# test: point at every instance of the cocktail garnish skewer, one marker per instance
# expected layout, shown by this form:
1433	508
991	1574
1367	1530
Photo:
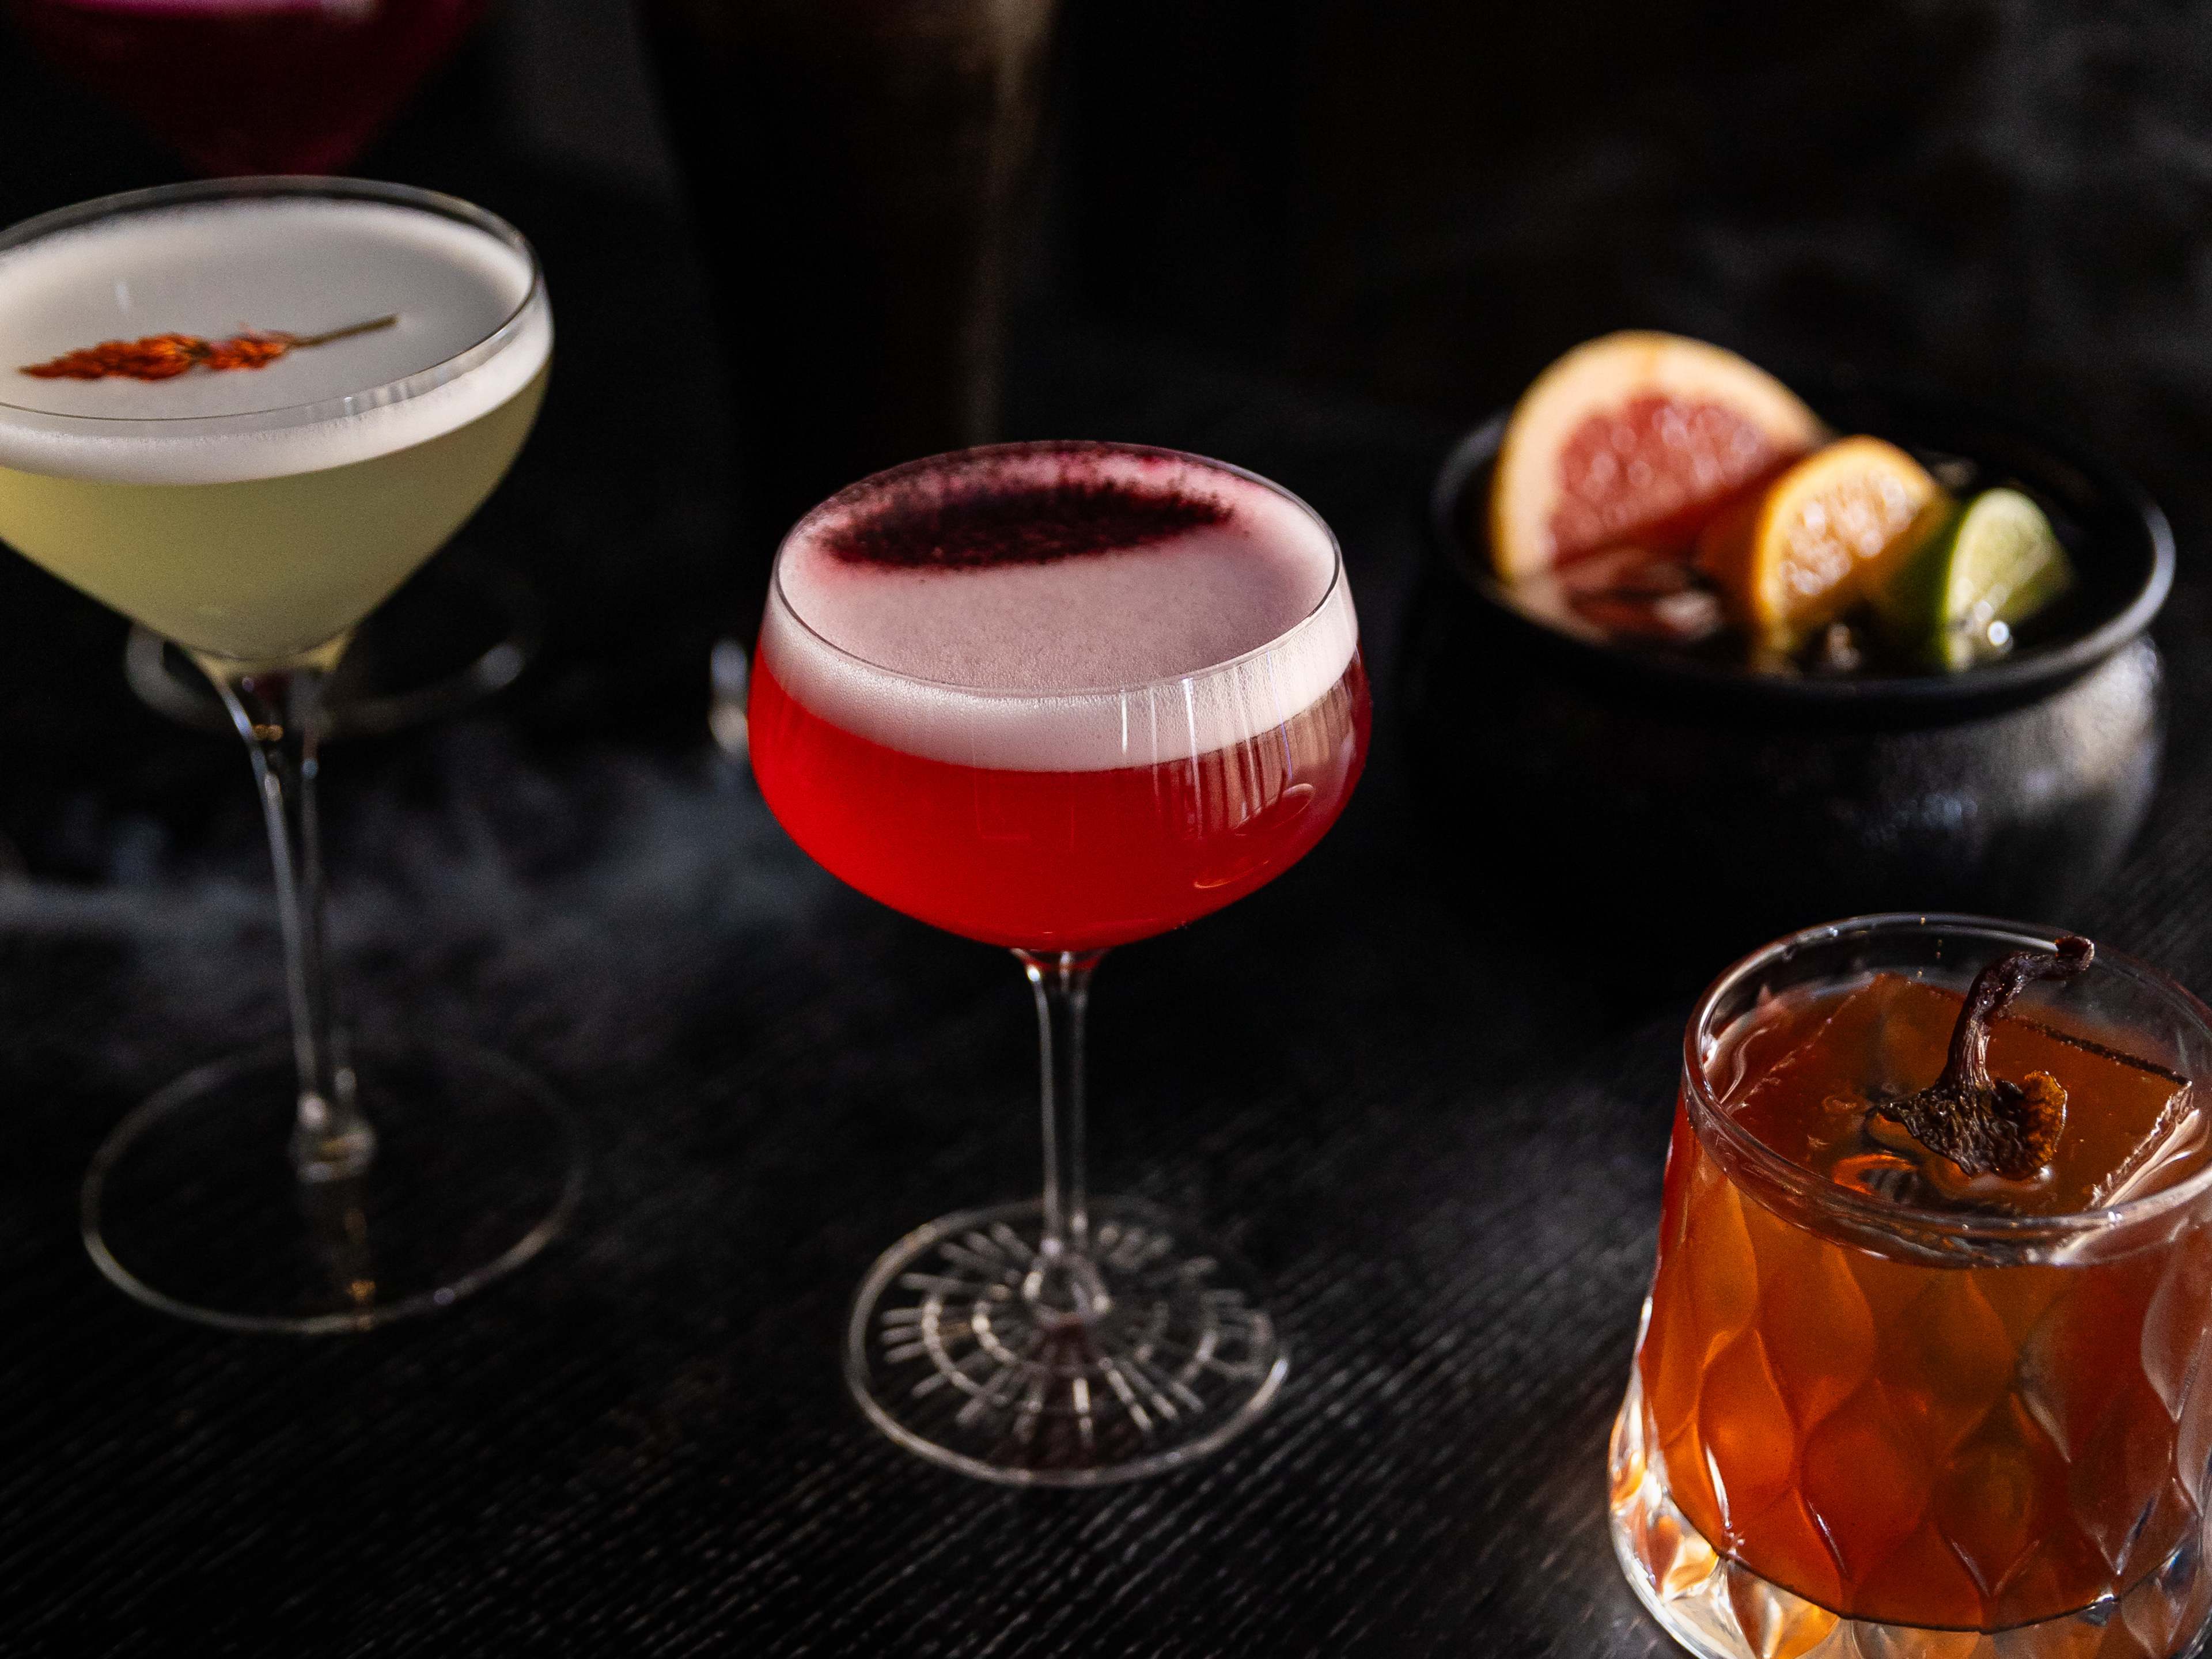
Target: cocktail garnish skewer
165	357
1968	1125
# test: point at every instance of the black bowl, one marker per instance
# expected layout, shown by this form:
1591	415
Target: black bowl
1619	782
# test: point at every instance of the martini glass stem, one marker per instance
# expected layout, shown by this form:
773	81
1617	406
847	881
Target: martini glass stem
1062	1281
278	711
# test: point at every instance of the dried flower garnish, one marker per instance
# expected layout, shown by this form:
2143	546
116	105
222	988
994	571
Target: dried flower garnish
1979	1125
165	357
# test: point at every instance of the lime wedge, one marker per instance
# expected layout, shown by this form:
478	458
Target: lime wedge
1977	574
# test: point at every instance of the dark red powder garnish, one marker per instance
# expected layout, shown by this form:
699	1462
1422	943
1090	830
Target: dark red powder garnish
928	519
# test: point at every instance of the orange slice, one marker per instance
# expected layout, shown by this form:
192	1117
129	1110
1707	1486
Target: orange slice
1800	552
1633	438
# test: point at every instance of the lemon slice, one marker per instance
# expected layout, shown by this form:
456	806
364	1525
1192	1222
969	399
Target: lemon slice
1956	599
1800	552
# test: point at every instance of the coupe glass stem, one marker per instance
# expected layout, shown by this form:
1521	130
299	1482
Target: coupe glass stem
1062	1281
278	711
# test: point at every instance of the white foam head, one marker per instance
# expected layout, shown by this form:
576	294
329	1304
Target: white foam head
474	327
1062	607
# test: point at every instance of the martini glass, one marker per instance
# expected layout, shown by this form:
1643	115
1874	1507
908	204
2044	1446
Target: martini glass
1060	697
255	515
252	87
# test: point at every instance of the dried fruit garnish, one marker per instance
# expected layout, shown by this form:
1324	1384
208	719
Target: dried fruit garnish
165	357
1981	1125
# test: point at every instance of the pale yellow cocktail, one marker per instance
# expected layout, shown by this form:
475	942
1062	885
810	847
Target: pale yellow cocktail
242	413
254	514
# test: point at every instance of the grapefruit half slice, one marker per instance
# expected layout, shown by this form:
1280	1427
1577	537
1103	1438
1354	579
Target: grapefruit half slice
1635	438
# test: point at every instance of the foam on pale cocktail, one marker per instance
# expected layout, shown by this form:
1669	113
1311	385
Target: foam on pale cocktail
255	513
1059	607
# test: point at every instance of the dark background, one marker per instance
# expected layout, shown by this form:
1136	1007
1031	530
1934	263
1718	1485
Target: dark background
1426	202
1314	238
1422	205
1412	208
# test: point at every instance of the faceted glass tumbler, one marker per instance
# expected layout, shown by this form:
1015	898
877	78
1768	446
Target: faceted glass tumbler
1859	1429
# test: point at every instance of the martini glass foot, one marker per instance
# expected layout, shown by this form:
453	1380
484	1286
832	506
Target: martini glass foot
455	634
192	1206
953	1353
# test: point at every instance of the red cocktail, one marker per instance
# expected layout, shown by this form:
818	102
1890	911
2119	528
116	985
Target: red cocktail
1059	697
1060	861
1068	860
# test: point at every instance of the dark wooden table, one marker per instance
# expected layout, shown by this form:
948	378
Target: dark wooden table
1437	1127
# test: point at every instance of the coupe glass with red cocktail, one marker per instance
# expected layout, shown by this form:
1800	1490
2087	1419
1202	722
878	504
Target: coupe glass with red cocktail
1923	1369
1060	697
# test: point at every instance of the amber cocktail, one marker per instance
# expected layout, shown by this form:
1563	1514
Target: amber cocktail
1892	1402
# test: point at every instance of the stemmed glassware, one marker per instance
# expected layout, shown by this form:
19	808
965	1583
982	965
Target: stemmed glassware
1060	697
246	87
254	515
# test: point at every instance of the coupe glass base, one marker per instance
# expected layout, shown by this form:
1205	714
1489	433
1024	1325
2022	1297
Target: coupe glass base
1718	1609
456	634
192	1206
949	1357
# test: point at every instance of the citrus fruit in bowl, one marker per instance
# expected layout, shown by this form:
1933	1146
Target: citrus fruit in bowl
1965	587
1653	493
1802	550
1685	786
1635	438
